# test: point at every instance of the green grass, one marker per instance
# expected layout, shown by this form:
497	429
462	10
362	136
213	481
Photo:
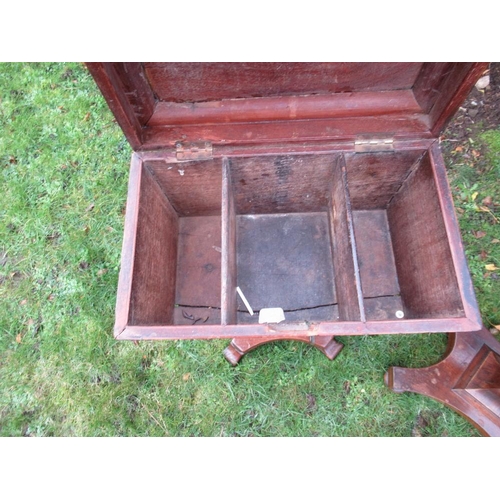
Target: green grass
474	173
64	171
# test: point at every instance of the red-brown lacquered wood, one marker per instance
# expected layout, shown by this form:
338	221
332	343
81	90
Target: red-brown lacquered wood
292	330
229	273
456	87
345	263
374	178
427	278
205	81
128	246
118	97
193	315
199	265
152	297
343	105
137	89
168	155
446	207
282	167
411	126
303	148
256	103
466	380
193	188
375	255
281	184
431	77
239	347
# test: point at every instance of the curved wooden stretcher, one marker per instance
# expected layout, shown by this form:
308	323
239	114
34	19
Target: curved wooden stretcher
240	346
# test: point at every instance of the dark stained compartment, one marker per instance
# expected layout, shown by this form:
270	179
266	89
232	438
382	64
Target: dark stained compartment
328	238
177	261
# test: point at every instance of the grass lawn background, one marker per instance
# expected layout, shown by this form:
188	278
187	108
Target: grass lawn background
64	171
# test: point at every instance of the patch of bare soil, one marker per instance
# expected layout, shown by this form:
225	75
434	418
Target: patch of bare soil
479	112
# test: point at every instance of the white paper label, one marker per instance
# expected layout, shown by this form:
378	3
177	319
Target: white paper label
271	315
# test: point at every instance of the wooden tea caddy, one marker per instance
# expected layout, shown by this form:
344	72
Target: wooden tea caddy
319	188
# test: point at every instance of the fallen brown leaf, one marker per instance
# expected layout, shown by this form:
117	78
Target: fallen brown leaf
495	240
90	207
23	302
479	234
483	255
487	201
186	377
18	338
487	210
311	402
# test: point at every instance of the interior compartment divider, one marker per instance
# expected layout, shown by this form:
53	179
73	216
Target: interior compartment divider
345	260
228	262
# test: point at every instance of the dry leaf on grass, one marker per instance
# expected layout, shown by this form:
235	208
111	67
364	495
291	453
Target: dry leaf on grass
483	255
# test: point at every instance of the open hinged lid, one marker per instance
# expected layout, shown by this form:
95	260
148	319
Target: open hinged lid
161	105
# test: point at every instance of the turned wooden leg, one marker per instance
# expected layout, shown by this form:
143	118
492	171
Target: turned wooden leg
241	345
466	380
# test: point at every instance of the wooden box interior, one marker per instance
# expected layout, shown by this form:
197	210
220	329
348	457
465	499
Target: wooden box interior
334	237
248	175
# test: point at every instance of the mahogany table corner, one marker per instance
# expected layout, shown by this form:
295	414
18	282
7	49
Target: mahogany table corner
467	380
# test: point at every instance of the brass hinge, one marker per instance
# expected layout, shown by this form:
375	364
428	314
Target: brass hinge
193	150
366	144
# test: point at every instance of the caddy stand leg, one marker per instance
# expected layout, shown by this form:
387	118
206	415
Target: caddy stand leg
242	345
467	380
